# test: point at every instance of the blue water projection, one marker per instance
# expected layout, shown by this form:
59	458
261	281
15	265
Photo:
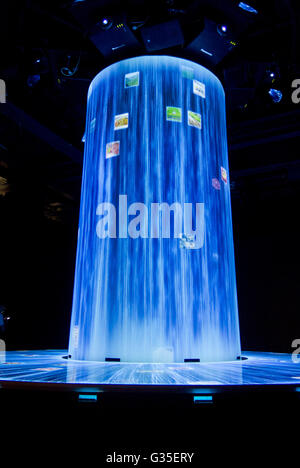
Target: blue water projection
48	366
155	273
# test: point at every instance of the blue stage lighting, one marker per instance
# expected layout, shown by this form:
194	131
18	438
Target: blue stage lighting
248	8
276	95
155	274
106	23
198	379
33	80
203	399
87	397
222	29
206	52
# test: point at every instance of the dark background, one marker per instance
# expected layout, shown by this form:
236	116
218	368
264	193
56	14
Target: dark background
41	128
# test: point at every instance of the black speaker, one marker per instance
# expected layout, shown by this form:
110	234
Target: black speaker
117	38
162	36
213	44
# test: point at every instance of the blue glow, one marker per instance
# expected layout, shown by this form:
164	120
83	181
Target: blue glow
87	397
206	52
276	95
203	398
246	7
222	29
48	366
155	134
32	80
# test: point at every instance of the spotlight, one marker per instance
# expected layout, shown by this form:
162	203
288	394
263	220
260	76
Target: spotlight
222	29
38	67
33	80
272	75
248	8
105	23
275	94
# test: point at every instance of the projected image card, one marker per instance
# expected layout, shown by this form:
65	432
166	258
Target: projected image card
174	114
199	88
132	79
121	121
187	72
224	175
216	184
93	125
112	149
194	119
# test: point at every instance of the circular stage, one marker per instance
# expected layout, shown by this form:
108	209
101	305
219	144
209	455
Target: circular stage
48	367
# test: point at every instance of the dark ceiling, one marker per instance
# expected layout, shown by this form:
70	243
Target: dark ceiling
51	55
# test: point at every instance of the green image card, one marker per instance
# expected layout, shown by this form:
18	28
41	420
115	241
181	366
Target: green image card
132	79
194	119
174	114
187	72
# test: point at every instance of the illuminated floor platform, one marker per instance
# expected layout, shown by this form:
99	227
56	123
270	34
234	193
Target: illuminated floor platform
49	367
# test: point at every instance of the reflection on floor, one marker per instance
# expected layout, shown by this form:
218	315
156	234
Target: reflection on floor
48	366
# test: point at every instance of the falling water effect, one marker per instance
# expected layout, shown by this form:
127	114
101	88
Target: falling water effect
155	299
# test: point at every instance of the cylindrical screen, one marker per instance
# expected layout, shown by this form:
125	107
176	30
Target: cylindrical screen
155	274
